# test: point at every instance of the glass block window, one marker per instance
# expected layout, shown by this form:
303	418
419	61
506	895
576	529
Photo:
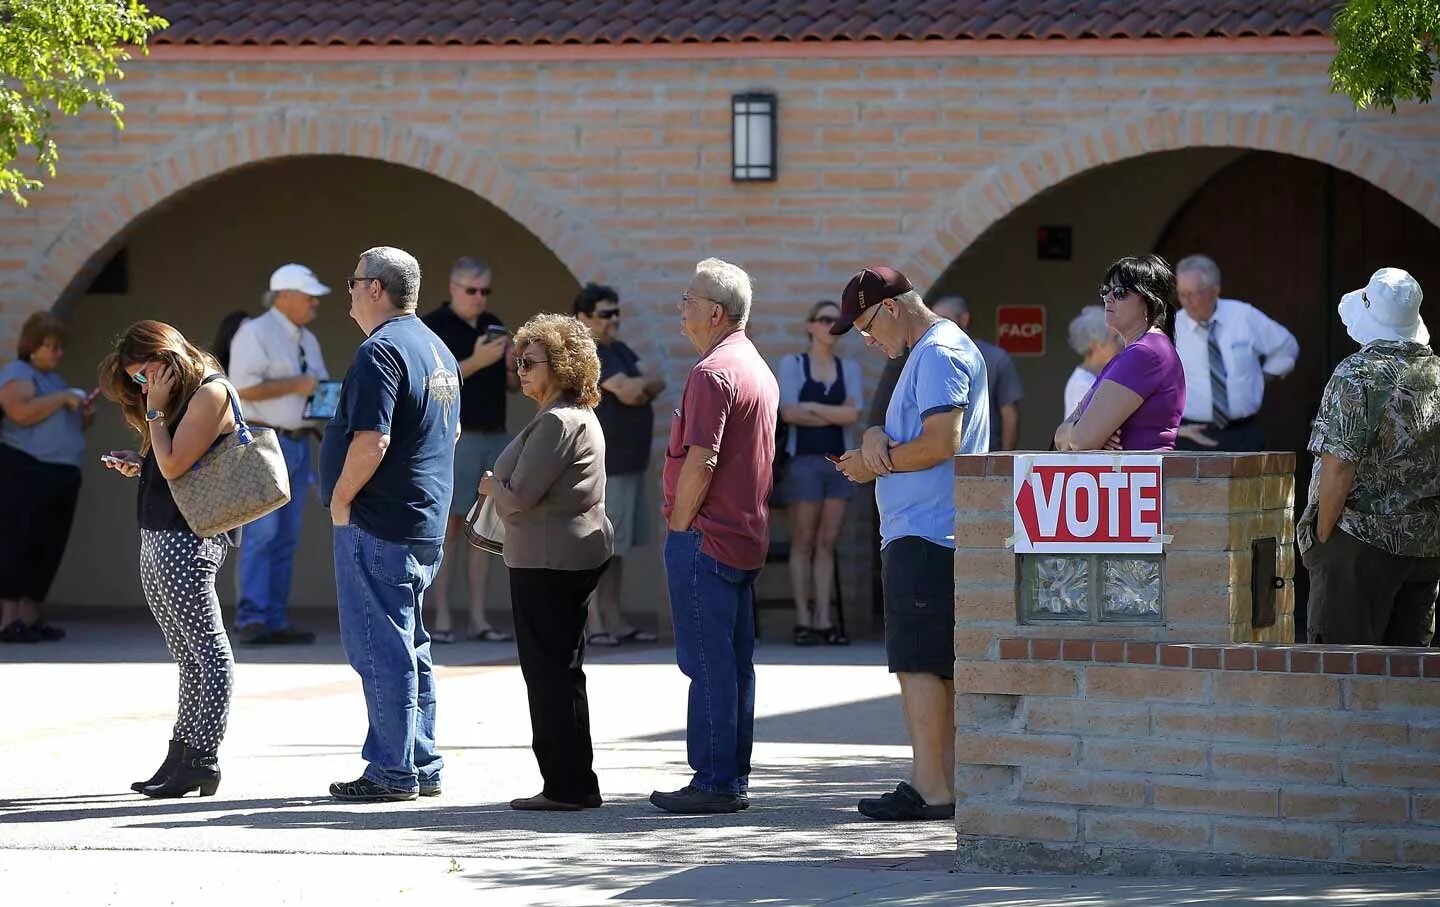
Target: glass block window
1091	588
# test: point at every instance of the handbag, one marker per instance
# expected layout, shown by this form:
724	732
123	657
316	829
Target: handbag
484	527
239	479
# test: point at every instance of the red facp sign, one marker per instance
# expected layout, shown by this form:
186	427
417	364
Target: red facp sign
1089	504
1020	329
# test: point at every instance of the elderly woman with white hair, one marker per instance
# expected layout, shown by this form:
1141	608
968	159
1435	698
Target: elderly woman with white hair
1370	533
1096	343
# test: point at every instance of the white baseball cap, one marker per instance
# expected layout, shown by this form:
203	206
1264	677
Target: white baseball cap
297	277
1388	308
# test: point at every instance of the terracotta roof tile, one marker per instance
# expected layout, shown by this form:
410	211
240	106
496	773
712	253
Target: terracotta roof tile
495	22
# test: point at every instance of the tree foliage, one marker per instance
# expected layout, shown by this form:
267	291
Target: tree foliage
1386	51
57	58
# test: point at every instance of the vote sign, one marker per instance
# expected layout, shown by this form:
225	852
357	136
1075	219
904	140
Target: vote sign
1088	504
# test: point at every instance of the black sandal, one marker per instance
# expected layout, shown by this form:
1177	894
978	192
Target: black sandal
833	636
804	636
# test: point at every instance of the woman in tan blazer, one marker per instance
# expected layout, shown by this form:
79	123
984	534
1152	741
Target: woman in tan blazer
549	490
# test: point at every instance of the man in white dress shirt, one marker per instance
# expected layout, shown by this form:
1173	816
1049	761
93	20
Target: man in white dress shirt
1230	351
275	363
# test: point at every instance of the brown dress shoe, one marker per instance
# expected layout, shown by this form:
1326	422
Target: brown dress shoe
542	803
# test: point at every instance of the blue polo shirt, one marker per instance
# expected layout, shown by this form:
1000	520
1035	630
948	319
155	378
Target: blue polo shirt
405	383
944	371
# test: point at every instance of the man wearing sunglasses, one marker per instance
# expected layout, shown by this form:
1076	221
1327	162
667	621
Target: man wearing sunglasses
275	365
479	341
628	421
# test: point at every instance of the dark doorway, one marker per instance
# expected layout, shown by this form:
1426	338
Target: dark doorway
1290	236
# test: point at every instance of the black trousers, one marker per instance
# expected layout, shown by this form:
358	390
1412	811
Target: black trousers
550	611
1246	437
39	505
1361	595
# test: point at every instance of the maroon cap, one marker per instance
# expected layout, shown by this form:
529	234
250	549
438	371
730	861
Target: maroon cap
867	288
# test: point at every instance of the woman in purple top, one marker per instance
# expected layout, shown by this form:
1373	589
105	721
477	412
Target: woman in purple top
1138	398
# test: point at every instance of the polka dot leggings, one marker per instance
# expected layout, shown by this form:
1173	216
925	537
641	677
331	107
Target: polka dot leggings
177	573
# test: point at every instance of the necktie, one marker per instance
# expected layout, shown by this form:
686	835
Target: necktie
304	366
1219	389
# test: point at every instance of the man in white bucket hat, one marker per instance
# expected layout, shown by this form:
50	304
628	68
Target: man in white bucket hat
1370	533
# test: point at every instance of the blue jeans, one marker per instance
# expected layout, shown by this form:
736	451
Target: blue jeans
381	586
713	607
267	549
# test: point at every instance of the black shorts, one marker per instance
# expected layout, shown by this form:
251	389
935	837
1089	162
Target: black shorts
919	580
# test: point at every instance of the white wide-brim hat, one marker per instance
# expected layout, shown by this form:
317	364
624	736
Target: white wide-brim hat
1388	308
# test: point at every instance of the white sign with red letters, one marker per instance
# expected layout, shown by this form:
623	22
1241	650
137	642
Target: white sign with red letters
1089	504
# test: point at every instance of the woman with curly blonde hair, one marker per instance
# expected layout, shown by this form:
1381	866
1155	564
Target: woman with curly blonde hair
549	490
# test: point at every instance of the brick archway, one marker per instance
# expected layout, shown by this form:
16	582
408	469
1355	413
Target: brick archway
973	210
72	251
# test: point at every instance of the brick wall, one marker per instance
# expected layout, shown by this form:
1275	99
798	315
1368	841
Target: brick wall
1170	748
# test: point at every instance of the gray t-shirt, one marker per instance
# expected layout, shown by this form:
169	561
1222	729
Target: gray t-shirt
58	439
1004	382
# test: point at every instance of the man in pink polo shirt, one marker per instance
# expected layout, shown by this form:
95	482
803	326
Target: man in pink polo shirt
717	480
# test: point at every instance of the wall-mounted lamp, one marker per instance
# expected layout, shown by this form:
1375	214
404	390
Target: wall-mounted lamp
753	138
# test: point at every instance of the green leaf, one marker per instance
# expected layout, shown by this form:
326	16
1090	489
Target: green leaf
1386	51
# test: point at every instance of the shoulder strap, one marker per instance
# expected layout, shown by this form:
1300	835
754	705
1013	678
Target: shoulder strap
805	364
240	426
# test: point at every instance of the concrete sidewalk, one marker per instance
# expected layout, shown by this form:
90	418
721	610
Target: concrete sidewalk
95	714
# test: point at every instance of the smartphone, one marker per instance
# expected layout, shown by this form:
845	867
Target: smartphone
832	458
496	330
106	458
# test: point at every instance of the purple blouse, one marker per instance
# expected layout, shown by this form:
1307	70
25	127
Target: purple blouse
1151	368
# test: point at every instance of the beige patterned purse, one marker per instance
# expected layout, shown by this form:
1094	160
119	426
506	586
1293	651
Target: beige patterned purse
238	480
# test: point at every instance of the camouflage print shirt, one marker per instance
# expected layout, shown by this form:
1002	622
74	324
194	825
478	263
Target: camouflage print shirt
1381	411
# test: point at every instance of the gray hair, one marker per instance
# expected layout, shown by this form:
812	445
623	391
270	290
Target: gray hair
957	304
467	265
399	273
1089	326
728	285
909	299
1203	265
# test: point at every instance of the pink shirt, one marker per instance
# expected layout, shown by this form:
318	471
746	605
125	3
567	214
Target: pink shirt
729	405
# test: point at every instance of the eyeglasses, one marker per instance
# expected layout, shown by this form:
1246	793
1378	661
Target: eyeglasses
824	319
1116	293
607	314
687	297
471	291
874	313
525	363
351	281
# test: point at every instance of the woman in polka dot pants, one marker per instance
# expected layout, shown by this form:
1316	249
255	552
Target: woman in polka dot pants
170	393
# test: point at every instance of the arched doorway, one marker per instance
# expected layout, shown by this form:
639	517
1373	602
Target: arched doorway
210	249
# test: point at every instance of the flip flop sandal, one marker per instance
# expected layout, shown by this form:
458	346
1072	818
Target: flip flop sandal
442	636
492	635
605	639
638	635
833	637
904	804
804	636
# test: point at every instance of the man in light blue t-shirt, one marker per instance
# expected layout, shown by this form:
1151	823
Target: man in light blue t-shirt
940	408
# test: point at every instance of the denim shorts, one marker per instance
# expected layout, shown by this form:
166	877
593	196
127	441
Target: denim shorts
919	581
475	452
811	477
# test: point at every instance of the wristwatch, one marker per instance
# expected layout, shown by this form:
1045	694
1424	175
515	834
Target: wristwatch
154	415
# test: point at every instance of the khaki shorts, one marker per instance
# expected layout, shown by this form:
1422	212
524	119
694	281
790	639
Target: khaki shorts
627	504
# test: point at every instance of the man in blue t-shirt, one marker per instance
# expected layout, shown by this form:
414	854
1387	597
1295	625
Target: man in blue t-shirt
387	475
940	408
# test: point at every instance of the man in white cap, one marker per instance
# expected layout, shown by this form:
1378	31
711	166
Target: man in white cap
1370	533
275	363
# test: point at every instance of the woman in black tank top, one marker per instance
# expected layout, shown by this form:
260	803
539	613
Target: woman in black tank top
819	397
177	400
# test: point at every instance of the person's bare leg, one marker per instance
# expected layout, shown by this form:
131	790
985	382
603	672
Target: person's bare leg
929	704
439	593
832	517
594	621
804	524
29	612
9	612
608	592
479	573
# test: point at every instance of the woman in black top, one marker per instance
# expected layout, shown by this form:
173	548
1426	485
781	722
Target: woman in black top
819	398
173	394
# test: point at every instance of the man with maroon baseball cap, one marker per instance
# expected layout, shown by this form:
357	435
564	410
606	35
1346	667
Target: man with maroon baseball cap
940	408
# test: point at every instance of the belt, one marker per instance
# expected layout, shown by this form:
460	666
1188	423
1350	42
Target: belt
294	434
1233	423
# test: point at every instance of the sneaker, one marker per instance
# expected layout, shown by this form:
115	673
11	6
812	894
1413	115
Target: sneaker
904	804
430	790
691	801
363	790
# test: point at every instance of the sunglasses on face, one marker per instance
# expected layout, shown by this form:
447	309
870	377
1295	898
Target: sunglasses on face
471	291
824	319
607	314
1116	293
525	363
350	282
140	379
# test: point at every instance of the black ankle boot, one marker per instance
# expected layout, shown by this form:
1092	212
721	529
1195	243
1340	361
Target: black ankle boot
198	770
172	759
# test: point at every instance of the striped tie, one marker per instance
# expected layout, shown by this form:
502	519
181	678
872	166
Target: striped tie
1219	390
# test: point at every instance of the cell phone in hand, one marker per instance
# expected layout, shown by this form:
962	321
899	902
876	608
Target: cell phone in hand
496	330
832	458
113	461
